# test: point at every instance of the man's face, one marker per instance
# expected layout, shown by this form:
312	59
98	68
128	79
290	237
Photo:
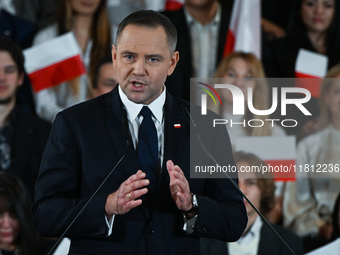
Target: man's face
142	60
10	79
107	80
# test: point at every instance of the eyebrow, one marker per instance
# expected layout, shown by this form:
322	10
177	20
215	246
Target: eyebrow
159	56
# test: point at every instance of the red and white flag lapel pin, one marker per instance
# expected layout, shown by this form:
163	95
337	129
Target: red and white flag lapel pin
177	125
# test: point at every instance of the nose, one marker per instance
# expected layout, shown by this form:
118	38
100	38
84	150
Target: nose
139	67
319	8
6	220
240	82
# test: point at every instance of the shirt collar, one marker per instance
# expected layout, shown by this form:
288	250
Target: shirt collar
253	232
191	20
133	109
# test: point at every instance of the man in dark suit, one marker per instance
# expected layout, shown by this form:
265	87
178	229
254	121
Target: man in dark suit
157	210
22	136
202	13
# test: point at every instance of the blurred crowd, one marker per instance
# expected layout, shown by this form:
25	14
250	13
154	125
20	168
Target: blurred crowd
304	211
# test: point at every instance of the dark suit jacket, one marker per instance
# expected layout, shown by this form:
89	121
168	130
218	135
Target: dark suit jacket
86	142
29	139
184	69
269	244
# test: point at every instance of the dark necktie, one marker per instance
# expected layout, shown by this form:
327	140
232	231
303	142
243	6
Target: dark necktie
148	147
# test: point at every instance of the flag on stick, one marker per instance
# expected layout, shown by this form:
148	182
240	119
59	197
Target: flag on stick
53	62
244	33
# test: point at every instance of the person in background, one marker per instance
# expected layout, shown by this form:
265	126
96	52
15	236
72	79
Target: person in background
22	136
91	27
202	28
17	235
308	202
105	77
258	237
38	12
244	70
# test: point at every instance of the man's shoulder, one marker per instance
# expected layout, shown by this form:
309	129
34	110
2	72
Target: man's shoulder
88	107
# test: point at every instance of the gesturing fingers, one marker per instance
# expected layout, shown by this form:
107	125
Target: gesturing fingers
127	196
179	187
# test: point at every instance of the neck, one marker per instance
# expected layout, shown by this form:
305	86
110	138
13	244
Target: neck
204	14
251	219
336	123
7	247
5	110
318	41
82	29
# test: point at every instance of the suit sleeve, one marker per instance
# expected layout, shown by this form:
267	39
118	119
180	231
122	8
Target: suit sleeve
57	199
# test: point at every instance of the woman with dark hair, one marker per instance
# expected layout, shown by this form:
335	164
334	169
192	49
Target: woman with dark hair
90	25
17	235
257	238
316	27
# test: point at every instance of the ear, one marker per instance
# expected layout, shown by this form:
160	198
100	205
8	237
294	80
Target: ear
173	62
114	57
21	79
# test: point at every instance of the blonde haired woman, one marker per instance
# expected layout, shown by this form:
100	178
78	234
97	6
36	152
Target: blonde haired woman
309	201
242	70
90	25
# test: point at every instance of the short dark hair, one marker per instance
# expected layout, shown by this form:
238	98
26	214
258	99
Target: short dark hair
14	50
150	19
265	181
106	59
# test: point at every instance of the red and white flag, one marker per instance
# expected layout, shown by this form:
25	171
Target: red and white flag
310	65
53	62
244	32
278	152
173	5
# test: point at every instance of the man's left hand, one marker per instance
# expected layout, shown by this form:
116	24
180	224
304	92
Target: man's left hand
179	187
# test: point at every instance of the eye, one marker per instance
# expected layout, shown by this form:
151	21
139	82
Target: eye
153	60
10	69
310	3
248	78
251	182
328	4
337	91
128	57
231	74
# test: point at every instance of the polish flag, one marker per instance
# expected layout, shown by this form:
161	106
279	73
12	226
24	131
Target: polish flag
53	62
244	33
173	5
310	65
277	151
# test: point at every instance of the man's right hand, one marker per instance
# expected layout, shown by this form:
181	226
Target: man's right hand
126	197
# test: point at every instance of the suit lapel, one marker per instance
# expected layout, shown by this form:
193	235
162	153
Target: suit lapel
118	129
176	131
268	241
